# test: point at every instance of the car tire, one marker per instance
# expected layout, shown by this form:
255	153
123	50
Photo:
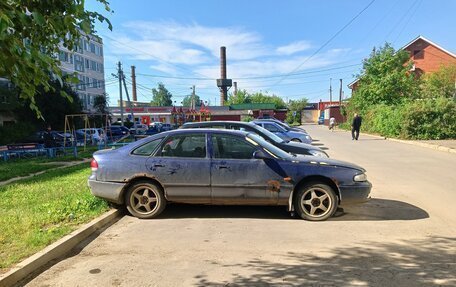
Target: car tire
296	140
145	200
315	202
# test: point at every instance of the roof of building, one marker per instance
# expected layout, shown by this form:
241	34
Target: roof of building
430	42
410	43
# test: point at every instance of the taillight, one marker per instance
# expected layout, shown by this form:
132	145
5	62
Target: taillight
94	165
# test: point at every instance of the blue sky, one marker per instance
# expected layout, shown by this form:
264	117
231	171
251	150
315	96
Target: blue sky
178	42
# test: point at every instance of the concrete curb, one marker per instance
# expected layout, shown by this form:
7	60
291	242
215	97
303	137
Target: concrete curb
426	145
56	250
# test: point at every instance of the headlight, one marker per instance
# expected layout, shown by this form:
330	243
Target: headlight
360	177
318	153
308	138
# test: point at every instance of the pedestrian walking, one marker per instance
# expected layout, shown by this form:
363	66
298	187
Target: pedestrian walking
332	123
355	126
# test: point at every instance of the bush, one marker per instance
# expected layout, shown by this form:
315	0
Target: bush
385	120
430	119
15	132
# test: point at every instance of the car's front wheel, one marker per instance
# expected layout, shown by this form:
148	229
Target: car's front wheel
296	140
315	202
145	200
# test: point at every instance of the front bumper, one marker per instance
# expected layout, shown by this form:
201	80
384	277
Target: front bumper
355	193
111	191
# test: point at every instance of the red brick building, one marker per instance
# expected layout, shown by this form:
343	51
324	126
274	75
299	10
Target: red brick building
426	55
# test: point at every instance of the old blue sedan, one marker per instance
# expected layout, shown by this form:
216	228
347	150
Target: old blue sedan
211	166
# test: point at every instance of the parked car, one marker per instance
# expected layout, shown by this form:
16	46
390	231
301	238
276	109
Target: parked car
157	125
288	146
283	124
284	133
138	129
214	166
117	131
166	127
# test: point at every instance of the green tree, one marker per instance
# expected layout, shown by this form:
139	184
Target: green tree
241	97
52	105
187	102
161	96
440	83
30	34
100	104
385	79
260	97
295	109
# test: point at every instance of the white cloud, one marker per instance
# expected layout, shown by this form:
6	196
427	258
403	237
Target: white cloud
293	48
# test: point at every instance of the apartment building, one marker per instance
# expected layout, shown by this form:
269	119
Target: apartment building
87	61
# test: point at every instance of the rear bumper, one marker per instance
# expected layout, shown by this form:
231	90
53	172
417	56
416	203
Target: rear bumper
111	191
356	193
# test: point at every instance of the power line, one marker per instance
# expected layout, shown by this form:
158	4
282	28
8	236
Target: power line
327	42
153	56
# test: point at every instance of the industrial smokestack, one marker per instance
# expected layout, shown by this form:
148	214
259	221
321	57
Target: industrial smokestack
223	83
223	90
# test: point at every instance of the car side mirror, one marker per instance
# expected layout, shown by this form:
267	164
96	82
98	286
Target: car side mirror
259	154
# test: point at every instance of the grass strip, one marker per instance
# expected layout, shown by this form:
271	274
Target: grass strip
38	211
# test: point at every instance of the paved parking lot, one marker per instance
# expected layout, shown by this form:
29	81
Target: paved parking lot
405	236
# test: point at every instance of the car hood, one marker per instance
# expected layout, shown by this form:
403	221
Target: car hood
302	145
326	161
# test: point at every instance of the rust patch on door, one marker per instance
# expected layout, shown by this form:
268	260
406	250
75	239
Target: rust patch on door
273	186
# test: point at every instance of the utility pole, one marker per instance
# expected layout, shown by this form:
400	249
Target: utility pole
128	97
119	76
133	83
235	88
340	93
330	92
193	104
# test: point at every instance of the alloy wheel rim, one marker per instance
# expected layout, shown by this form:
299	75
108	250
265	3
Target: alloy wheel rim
316	202
144	200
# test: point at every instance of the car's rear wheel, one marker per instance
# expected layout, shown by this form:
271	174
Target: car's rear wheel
315	202
296	140
145	200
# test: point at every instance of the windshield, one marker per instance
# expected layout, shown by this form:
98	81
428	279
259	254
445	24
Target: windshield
269	147
272	136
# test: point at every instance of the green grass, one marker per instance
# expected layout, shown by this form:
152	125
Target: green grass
13	169
38	211
22	167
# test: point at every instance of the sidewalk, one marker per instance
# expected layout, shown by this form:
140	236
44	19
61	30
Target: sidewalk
441	145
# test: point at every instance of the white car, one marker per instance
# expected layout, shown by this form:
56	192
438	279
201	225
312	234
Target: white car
138	129
97	135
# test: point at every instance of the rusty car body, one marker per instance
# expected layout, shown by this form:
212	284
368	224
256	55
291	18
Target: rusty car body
214	166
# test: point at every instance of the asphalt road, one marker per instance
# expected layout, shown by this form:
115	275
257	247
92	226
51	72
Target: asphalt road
405	236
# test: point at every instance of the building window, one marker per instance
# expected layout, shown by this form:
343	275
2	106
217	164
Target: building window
92	48
63	56
418	54
93	65
78	63
71	59
87	63
86	45
81	85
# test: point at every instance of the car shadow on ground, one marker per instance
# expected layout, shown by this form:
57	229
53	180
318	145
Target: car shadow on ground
374	210
425	261
382	209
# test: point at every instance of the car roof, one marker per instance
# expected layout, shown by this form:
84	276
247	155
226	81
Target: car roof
217	122
204	130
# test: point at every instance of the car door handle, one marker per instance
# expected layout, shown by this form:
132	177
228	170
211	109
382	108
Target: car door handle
223	166
159	165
